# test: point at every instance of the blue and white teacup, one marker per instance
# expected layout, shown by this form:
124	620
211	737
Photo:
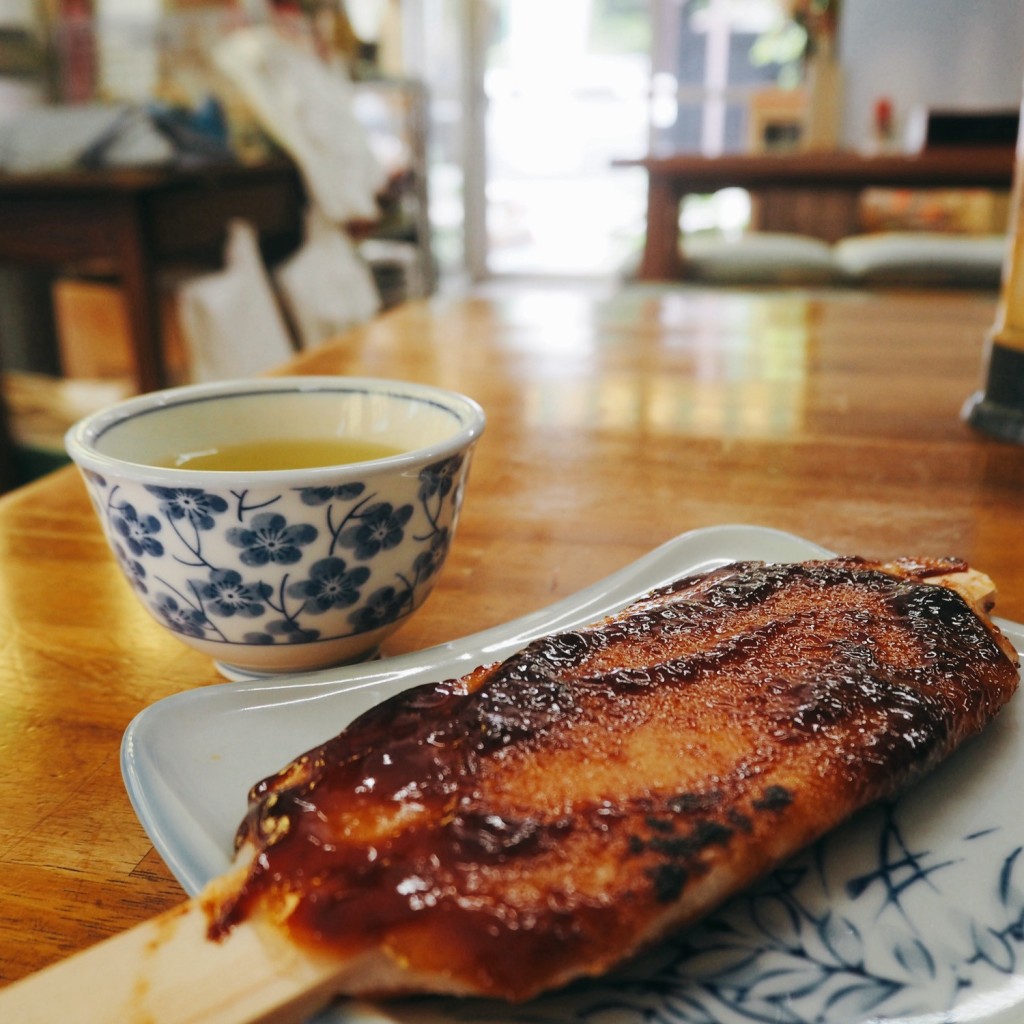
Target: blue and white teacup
280	570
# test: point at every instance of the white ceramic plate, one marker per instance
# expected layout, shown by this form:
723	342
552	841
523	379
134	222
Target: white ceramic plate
912	912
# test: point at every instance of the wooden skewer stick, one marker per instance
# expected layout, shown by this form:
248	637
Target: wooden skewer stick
167	971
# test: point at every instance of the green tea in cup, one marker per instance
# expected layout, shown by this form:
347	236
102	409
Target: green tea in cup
273	454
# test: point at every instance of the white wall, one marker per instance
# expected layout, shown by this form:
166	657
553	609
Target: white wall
965	54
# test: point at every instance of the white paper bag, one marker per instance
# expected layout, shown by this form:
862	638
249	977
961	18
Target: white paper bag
326	285
306	105
230	320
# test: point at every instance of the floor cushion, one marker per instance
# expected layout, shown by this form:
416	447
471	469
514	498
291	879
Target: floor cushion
922	258
759	257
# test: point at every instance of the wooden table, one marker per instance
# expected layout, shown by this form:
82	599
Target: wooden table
833	180
615	423
130	223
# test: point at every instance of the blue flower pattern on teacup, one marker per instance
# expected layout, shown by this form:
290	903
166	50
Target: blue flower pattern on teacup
239	569
271	539
331	584
186	620
227	594
382	607
190	503
138	531
132	568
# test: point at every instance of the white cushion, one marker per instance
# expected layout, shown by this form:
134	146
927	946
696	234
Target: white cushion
760	257
922	258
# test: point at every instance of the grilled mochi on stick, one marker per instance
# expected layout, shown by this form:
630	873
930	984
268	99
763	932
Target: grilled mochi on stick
543	819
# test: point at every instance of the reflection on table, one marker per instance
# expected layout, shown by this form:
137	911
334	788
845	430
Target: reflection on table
616	422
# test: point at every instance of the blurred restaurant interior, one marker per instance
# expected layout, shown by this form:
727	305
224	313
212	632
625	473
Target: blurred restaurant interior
730	281
452	143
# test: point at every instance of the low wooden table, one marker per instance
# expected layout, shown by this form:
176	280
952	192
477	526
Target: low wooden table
615	423
834	180
130	223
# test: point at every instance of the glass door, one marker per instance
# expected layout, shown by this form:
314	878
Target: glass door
533	101
566	88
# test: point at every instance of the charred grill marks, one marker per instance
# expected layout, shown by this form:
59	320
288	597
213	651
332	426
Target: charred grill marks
689	824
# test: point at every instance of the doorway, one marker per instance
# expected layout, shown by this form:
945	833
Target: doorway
533	101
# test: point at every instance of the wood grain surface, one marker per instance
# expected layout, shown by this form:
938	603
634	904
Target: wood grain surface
616	421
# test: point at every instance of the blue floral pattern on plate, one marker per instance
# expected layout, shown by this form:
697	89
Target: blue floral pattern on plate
290	567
